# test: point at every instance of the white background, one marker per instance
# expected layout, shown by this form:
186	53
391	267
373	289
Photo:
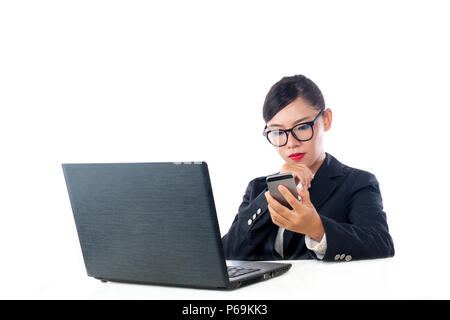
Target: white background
126	81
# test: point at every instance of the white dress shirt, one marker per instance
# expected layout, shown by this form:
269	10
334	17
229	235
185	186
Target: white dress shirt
319	248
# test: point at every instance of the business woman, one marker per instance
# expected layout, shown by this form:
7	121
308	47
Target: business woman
338	214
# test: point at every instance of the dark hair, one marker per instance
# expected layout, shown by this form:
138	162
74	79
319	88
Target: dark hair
287	90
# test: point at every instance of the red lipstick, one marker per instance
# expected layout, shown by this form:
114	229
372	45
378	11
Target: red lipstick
297	156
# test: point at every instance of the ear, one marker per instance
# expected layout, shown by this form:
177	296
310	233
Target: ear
327	119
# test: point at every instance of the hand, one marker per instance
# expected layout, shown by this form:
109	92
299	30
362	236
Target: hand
303	218
301	173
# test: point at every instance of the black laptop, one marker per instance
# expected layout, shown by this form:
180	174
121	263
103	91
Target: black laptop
154	223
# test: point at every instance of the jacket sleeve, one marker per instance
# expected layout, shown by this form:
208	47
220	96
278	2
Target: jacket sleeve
365	235
248	233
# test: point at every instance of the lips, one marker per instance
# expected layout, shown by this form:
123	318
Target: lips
296	156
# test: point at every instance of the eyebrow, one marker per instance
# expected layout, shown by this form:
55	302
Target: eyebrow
279	125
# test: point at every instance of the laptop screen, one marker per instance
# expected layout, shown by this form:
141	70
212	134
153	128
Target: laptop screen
147	222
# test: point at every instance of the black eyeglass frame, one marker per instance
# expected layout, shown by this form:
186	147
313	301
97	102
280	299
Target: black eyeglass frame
286	131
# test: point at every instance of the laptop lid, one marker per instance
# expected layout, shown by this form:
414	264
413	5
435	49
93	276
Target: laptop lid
147	222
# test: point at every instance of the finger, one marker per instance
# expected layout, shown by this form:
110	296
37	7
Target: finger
312	178
308	182
277	218
299	190
293	201
274	202
270	200
304	194
273	215
303	182
281	209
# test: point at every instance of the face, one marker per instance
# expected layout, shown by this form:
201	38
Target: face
299	111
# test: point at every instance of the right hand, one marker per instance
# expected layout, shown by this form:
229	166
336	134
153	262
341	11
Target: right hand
301	173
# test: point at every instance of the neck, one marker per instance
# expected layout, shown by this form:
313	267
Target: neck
316	165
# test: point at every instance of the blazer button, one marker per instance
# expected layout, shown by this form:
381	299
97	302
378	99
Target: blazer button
249	221
258	211
342	256
336	257
348	258
254	216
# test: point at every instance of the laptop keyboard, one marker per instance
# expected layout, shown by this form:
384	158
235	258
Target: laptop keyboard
239	271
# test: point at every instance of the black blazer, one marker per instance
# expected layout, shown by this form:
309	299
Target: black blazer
349	203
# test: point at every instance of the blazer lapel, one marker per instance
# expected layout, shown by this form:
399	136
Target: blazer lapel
322	186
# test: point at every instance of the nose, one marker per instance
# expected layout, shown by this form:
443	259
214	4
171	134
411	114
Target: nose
291	141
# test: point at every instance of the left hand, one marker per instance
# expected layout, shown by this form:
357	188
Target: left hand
303	218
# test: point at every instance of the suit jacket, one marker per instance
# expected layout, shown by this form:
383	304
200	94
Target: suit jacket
349	204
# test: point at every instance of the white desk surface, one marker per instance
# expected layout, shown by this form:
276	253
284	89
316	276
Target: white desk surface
310	279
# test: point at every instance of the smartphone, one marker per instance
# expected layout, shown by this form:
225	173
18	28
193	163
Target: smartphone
287	180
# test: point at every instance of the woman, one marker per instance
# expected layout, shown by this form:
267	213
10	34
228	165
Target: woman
339	215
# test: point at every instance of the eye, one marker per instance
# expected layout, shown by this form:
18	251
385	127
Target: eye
276	132
302	127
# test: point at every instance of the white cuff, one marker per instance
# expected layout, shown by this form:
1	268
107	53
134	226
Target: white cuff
319	248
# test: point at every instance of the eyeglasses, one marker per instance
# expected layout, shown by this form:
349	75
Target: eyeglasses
302	132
